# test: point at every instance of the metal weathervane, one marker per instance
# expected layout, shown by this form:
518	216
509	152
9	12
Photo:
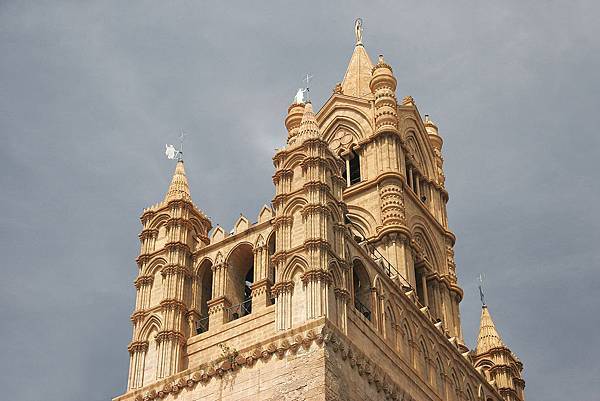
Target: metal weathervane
481	295
171	152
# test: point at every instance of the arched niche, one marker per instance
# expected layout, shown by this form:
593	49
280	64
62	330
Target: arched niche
298	301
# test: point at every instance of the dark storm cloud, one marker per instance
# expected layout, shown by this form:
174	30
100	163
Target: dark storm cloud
90	92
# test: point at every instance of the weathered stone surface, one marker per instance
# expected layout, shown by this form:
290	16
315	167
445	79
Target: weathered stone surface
344	289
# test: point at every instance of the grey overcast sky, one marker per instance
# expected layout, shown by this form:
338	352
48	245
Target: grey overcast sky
90	92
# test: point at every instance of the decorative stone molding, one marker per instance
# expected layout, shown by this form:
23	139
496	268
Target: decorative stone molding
177	246
342	294
173	304
327	337
143	280
392	203
138	315
138	346
171	335
317	275
148	233
217	305
260	287
282	287
171	269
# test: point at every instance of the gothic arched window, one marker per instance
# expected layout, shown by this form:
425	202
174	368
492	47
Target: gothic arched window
353	168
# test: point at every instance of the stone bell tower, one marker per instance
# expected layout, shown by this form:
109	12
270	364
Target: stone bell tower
172	230
395	191
344	288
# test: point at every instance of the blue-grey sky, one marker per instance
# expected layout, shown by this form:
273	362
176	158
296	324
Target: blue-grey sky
91	91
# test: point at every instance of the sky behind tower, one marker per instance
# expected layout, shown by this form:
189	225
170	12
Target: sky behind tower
90	92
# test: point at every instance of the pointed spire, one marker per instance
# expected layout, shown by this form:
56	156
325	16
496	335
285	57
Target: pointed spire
179	188
358	74
308	127
488	335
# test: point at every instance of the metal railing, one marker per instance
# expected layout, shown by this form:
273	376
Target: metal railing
381	260
366	312
202	325
239	310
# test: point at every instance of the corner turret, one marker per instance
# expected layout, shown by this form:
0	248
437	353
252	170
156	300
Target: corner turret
164	316
495	360
383	86
293	119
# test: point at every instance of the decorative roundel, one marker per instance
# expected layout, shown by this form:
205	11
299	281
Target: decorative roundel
341	139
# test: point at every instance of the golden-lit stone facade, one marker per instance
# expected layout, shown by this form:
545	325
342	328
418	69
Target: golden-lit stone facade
344	288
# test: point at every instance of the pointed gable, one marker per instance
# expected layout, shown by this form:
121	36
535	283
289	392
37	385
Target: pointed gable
241	224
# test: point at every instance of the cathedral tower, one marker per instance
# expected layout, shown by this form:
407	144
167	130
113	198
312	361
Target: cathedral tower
344	288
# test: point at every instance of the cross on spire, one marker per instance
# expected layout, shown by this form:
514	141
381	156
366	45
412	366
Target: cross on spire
307	89
181	138
307	79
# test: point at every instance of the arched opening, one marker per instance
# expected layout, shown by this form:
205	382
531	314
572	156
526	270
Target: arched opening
354	168
241	277
205	287
362	289
351	170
